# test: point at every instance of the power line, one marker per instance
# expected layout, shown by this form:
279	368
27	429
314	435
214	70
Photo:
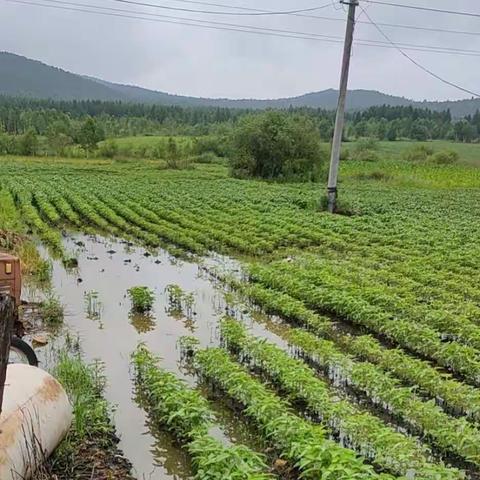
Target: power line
150	19
426	29
419	65
189	10
216	12
425	9
283	32
318	17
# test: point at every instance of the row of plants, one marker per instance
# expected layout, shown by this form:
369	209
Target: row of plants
393	298
387	449
417	338
294	439
452	395
187	416
446	433
165	231
52	238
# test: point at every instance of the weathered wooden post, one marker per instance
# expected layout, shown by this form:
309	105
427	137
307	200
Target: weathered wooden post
7	317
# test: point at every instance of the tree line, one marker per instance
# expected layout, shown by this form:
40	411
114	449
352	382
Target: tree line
65	119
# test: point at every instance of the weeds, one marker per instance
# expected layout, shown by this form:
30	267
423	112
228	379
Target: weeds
52	310
89	450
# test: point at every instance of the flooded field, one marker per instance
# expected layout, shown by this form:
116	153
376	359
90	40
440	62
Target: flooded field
98	310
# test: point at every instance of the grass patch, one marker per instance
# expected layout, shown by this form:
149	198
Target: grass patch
90	448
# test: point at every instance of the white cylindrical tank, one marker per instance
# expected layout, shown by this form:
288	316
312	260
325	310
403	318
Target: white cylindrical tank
36	415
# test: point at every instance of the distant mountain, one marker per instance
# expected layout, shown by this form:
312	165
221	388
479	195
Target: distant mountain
20	76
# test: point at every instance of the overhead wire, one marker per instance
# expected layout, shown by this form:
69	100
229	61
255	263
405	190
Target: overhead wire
334	19
81	7
216	12
425	9
418	64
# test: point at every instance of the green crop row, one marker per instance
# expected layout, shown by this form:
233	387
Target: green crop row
186	414
414	337
294	439
387	449
31	216
451	394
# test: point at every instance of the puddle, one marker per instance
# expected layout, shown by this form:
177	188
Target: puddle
98	310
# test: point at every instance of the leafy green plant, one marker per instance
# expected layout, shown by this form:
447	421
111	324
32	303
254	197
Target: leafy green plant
275	145
51	310
365	150
92	423
450	393
142	298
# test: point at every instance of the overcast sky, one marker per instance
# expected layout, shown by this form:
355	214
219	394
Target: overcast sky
212	63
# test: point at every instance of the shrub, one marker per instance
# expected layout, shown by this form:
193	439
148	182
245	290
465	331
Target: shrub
142	298
108	149
418	153
27	144
276	145
345	154
444	157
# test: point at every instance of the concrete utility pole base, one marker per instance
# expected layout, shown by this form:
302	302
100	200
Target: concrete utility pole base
332	200
340	118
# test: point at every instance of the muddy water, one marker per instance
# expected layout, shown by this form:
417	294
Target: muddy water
98	310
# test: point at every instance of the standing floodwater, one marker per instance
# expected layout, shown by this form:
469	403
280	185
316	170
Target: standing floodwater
98	308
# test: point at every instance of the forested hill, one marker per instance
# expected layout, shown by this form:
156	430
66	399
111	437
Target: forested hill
22	77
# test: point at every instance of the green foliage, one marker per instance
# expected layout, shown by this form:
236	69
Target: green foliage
92	432
108	149
426	153
28	143
84	385
457	396
213	145
292	438
180	302
89	134
142	298
52	310
186	414
392	451
276	145
418	153
207	158
444	157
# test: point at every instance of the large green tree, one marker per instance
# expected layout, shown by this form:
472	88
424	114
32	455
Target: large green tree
89	134
275	145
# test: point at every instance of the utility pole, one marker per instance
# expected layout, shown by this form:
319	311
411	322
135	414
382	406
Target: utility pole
340	118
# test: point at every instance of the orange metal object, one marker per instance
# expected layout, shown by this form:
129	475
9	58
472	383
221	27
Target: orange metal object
10	276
